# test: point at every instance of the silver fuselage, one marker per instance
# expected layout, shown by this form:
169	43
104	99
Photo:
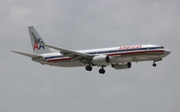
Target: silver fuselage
118	55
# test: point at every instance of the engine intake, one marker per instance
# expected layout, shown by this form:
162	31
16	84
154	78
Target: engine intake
101	60
122	66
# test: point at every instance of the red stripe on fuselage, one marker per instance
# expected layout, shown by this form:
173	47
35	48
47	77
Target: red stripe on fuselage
130	53
115	54
60	59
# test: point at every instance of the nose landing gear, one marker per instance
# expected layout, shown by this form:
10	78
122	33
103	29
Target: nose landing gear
154	64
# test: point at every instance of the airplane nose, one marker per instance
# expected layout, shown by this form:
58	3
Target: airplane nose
167	52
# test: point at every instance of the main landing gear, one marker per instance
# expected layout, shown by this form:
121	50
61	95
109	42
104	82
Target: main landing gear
101	71
89	68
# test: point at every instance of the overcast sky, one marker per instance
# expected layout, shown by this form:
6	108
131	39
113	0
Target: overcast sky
26	86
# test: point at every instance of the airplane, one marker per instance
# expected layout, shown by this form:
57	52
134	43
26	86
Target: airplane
117	57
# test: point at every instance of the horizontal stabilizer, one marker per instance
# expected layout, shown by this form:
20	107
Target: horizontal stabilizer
25	54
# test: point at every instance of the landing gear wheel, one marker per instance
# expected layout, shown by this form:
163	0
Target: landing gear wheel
154	65
101	71
88	68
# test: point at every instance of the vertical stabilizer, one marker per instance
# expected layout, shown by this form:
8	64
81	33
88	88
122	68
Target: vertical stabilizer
35	39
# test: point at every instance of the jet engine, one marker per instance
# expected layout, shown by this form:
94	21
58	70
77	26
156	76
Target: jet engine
122	66
101	60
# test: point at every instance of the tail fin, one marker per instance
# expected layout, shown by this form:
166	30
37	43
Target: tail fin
35	39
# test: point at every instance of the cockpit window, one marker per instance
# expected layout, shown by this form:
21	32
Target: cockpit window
161	47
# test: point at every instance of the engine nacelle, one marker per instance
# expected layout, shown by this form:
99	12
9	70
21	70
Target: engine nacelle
101	60
122	66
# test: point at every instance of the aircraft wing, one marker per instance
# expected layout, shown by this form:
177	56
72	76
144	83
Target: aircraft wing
73	54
